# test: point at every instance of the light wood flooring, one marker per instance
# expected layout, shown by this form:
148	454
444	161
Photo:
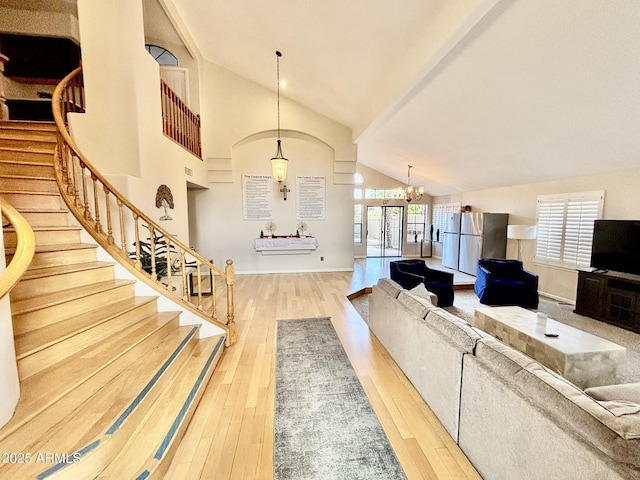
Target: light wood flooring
231	434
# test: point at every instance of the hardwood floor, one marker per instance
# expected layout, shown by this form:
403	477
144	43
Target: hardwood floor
231	434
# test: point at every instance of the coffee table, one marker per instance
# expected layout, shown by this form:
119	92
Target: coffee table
584	359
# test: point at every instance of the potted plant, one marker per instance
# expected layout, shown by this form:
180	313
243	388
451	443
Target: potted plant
160	254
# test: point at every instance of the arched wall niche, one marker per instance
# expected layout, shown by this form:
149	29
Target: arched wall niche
273	134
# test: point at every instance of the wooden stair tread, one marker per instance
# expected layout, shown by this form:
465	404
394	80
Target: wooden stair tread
58	228
32	341
43	389
111	411
20	307
32	145
47	126
18	176
42	210
27	135
62	269
157	436
27	162
151	351
55	247
29	192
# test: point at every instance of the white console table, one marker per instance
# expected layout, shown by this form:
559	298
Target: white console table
285	245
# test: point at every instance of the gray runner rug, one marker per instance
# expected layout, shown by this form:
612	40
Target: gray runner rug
325	427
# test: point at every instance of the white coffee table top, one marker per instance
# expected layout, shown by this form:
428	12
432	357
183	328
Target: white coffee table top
569	339
583	358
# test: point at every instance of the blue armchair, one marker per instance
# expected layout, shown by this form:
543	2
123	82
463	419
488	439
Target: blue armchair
505	282
410	273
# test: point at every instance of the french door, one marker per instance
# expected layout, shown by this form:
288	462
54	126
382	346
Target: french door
384	231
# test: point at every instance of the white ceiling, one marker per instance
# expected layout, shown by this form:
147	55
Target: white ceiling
474	94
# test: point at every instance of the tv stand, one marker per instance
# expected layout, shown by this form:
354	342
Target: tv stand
612	297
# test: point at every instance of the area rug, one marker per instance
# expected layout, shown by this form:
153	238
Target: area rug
325	427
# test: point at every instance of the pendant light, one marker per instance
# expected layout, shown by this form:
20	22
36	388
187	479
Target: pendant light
278	162
410	192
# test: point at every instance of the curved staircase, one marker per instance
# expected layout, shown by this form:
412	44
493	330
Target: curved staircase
108	383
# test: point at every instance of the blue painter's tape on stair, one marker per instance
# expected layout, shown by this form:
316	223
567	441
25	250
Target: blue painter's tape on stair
143	475
77	454
183	411
118	423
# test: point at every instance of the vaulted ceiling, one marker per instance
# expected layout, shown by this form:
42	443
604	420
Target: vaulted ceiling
475	94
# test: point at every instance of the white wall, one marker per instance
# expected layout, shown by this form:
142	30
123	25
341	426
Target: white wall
622	198
121	132
239	118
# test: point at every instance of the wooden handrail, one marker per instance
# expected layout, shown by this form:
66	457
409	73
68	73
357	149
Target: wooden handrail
178	122
25	248
156	257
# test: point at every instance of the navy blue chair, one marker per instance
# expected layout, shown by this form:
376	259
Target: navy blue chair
505	282
410	273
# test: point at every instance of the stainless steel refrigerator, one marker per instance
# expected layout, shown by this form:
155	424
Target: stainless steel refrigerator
482	235
451	240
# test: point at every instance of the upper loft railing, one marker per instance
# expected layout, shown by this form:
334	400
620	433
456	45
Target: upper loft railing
178	122
126	233
25	248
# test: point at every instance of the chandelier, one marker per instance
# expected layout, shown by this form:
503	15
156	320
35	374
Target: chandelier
278	162
411	193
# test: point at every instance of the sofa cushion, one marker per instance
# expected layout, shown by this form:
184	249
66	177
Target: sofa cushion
416	305
389	286
453	328
629	392
611	427
422	292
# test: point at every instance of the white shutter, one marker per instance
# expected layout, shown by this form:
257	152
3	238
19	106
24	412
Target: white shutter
549	229
565	227
439	216
581	215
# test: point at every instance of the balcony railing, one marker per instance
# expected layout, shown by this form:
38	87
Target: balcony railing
178	122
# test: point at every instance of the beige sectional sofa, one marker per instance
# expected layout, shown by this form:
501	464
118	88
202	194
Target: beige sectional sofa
511	416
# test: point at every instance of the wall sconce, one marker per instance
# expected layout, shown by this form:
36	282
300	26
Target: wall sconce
278	162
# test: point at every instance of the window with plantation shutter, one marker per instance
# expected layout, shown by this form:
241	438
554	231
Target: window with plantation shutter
565	228
439	216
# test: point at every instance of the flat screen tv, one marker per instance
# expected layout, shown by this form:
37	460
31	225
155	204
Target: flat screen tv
616	246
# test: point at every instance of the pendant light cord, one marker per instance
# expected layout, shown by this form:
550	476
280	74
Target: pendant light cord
278	54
